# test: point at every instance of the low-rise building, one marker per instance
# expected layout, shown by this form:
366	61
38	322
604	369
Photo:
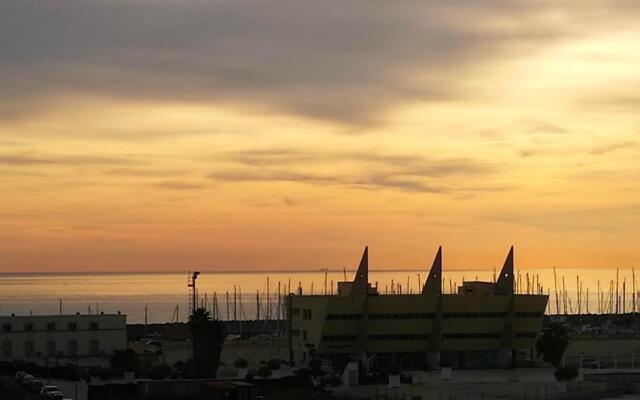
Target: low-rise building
86	340
484	324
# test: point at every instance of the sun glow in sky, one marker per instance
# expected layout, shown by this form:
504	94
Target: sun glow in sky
230	135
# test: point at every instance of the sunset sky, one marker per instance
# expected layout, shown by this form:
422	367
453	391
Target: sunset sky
238	135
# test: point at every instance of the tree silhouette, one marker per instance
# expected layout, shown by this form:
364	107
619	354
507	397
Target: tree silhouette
207	337
552	344
124	360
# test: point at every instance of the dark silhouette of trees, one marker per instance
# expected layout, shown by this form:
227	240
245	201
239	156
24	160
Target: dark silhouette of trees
264	372
552	344
567	373
160	372
207	337
124	360
241	363
274	364
315	367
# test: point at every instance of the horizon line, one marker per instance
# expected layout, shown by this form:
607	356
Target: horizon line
318	270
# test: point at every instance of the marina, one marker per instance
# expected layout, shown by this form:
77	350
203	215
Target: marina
163	297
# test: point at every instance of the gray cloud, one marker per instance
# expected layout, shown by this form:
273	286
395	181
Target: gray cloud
346	61
26	159
404	164
542	127
146	173
370	181
557	150
611	101
179	185
368	171
605	149
611	219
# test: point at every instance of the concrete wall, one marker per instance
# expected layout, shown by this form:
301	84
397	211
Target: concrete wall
604	352
254	352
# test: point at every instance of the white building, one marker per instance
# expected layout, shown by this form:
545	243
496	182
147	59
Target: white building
87	340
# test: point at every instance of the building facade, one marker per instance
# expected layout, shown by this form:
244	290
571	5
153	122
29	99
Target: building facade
86	340
483	325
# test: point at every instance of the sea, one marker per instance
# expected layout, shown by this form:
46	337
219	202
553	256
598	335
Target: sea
165	297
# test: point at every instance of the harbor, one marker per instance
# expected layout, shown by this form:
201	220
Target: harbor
238	296
424	329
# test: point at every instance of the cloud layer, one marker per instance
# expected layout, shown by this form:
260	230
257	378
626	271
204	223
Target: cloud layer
145	133
343	61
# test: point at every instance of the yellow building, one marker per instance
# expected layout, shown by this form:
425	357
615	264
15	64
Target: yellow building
484	324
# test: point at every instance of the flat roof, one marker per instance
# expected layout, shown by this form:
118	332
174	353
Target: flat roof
62	315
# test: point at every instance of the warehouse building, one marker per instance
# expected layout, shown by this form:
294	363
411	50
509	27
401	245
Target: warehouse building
483	325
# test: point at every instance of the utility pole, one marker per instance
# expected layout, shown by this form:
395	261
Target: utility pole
228	316
633	284
257	305
192	285
555	282
146	306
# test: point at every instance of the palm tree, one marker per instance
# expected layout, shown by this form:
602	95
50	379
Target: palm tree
199	318
207	339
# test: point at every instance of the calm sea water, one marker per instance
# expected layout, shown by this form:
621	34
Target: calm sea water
161	293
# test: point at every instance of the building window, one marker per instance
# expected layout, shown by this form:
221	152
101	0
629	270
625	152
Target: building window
7	350
28	349
93	347
51	348
475	335
295	311
306	313
73	348
529	314
417	336
347	317
339	338
73	326
28	327
530	335
93	326
51	326
402	316
304	335
475	315
6	327
381	316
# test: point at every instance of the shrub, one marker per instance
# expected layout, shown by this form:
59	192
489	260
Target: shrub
124	360
315	365
264	372
303	372
241	363
394	370
274	364
105	374
179	366
566	373
160	372
331	381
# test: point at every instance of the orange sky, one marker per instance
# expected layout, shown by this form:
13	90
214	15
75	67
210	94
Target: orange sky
225	135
